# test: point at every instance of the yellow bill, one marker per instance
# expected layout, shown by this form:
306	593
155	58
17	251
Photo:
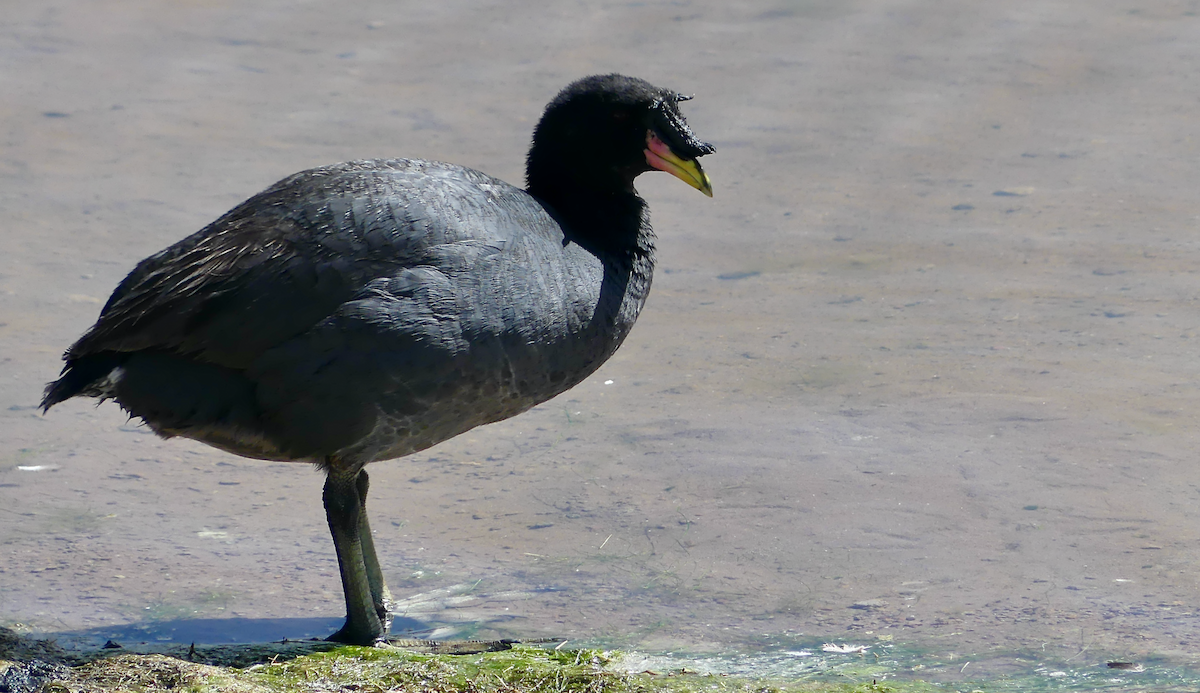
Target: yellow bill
660	156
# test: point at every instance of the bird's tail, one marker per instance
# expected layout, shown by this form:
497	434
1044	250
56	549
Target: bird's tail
82	376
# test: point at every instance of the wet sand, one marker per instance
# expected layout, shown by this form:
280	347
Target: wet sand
924	366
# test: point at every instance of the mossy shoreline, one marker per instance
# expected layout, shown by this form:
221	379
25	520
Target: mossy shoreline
39	665
28	664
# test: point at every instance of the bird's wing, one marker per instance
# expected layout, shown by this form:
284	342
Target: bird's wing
284	260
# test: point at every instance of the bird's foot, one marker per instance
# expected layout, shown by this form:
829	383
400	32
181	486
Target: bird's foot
358	634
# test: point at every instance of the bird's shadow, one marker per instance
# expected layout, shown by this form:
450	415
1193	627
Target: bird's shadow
219	631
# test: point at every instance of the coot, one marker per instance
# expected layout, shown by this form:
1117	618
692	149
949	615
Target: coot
367	310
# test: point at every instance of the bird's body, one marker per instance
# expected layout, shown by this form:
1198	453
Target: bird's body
352	311
368	310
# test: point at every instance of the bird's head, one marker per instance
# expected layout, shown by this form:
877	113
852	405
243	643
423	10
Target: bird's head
603	131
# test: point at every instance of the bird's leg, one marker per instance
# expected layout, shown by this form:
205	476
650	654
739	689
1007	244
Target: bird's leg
343	509
380	595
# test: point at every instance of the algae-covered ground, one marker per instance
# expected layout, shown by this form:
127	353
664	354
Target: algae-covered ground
28	665
319	666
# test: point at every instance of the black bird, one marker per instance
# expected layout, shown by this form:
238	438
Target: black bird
368	310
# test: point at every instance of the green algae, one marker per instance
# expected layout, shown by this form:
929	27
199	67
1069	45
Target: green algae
291	666
320	666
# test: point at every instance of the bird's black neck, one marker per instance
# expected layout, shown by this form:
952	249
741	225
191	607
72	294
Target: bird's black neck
608	222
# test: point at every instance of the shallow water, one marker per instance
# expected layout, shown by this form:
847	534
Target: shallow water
1017	670
920	374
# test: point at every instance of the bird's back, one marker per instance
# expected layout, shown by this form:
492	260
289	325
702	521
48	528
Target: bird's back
368	310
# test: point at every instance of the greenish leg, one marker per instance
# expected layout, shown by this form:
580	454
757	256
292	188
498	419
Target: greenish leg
380	596
344	511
